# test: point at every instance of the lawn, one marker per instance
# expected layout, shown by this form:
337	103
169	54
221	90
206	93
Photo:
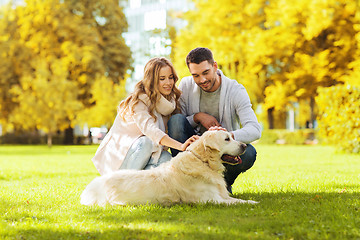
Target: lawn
305	192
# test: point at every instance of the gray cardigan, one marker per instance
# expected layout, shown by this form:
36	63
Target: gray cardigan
234	108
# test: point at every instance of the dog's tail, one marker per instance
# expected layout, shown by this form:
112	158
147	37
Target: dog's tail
94	193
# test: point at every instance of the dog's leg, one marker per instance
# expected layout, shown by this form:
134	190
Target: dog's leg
230	200
238	201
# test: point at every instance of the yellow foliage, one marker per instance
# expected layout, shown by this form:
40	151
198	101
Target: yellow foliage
54	53
107	96
282	51
353	78
339	116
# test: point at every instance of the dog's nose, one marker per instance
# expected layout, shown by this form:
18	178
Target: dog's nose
243	145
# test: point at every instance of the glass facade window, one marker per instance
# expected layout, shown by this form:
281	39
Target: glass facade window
135	3
143	17
155	19
147	2
135	23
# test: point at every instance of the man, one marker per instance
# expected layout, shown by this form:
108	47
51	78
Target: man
210	99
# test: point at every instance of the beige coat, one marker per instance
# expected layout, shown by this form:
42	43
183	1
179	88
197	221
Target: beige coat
113	149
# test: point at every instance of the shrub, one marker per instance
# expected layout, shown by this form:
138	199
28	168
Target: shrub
299	136
295	138
29	138
339	116
269	137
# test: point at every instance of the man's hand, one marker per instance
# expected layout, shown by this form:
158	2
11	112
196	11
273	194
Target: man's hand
206	120
221	128
217	128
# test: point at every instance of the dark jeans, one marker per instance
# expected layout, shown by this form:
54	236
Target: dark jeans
180	129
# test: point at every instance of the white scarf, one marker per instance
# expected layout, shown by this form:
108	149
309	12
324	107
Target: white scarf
162	106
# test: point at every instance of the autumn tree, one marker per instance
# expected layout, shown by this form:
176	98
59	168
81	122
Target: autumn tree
231	29
57	55
323	47
339	107
280	50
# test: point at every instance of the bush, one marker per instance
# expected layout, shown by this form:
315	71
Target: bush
339	116
269	137
296	137
32	138
283	136
22	138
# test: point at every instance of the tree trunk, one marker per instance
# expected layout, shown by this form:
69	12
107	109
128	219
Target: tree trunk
312	112
69	136
270	116
49	139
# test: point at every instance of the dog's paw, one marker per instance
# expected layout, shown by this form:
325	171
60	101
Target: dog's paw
251	202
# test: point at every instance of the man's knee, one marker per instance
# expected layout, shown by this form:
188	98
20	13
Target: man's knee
176	120
178	129
249	157
176	125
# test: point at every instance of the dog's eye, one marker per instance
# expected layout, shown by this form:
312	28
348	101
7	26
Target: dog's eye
227	139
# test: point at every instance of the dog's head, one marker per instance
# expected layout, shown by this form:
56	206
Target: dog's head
212	145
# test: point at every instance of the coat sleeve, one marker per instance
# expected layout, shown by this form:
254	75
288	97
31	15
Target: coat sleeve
250	128
146	123
185	101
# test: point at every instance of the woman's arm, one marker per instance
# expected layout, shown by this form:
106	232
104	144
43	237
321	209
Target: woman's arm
172	143
146	124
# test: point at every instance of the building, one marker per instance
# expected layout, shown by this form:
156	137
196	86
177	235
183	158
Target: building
147	34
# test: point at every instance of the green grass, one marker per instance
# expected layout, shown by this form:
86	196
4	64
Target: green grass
305	192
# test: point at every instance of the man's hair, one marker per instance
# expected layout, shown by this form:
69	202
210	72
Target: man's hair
199	55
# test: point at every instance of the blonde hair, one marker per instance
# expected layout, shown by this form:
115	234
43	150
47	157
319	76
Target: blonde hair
149	85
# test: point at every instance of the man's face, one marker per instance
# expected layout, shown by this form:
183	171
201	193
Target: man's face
205	75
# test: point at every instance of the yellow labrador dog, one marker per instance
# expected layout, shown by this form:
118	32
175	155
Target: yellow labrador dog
195	175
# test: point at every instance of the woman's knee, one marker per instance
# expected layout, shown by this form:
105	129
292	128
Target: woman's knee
144	143
139	154
164	157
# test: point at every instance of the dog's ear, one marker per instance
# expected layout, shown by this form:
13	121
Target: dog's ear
211	143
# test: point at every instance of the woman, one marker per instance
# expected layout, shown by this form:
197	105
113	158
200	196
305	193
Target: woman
138	139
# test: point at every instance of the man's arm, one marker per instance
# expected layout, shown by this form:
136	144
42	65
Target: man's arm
250	127
185	88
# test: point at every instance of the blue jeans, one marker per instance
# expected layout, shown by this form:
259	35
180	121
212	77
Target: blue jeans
180	129
139	155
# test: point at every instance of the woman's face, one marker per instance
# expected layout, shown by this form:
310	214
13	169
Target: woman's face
166	81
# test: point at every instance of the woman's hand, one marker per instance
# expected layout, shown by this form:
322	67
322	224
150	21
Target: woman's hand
172	143
189	141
